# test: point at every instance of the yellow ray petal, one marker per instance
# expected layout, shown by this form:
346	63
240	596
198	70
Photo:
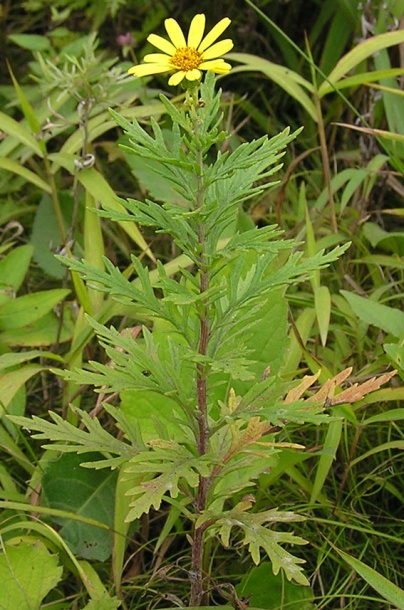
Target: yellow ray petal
214	33
194	74
148	69
218	49
219	66
176	78
196	30
158	58
162	44
175	33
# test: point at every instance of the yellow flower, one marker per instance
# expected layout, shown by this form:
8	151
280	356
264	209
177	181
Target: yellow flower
187	57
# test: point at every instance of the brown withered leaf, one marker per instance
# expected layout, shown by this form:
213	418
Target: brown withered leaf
357	392
326	393
298	391
328	389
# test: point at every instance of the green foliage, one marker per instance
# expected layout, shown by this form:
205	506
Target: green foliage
68	487
28	572
265	590
209	316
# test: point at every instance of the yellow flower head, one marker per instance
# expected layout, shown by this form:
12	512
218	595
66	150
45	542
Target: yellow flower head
187	57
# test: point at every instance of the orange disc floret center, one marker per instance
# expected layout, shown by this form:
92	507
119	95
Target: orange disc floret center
186	59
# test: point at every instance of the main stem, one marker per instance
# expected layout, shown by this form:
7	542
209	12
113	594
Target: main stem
198	595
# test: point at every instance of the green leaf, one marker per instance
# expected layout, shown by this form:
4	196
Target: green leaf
331	444
358	54
100	598
174	465
258	536
44	332
384	587
265	590
294	84
396	353
66	485
70	439
386	416
389	241
16	168
28	572
322	304
26	107
12	381
31	42
29	308
18	131
11	359
360	79
371	312
13	268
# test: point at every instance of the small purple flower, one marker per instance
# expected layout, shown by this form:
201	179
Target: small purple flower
126	40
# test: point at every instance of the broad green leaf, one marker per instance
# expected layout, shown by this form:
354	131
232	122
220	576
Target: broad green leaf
396	353
371	312
391	94
269	340
384	587
294	84
68	486
322	304
389	241
121	527
331	444
361	79
93	247
31	42
11	359
383	260
42	333
18	131
358	177
13	268
16	168
45	233
358	54
99	593
385	416
28	572
149	410
29	308
12	381
265	590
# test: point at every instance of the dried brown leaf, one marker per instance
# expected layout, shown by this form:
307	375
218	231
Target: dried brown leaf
357	392
299	390
327	390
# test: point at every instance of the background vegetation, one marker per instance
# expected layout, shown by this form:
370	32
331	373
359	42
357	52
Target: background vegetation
333	67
